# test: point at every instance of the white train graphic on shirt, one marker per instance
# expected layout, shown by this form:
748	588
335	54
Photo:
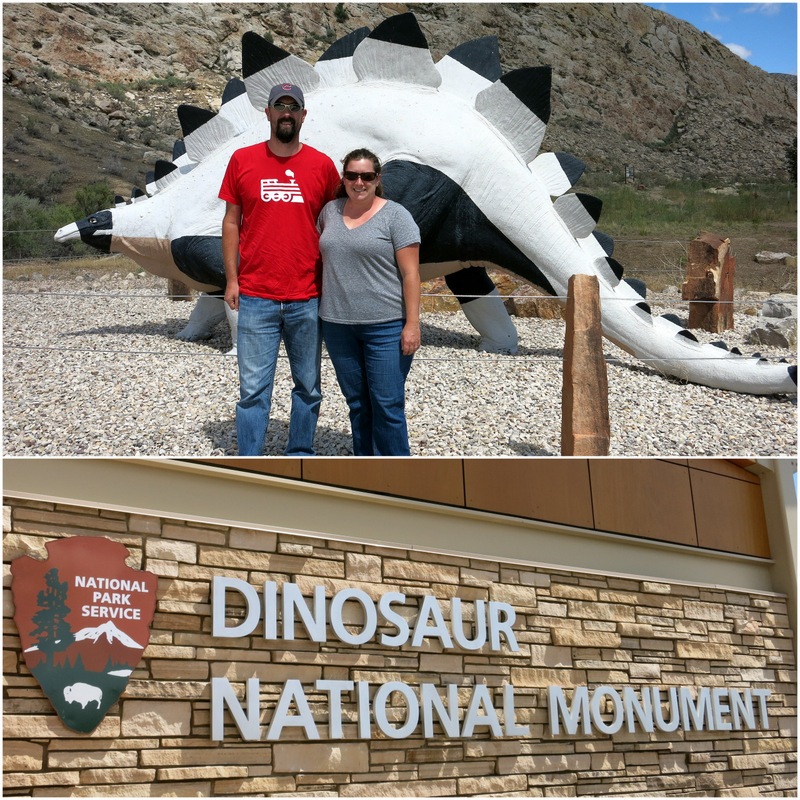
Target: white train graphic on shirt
272	191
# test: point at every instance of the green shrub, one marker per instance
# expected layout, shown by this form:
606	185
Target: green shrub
94	197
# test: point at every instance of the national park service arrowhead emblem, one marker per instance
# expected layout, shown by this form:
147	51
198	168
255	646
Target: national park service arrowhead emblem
83	618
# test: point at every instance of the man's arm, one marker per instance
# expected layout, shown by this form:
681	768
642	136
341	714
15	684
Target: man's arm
231	225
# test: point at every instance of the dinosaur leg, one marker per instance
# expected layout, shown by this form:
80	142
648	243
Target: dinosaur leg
486	311
208	312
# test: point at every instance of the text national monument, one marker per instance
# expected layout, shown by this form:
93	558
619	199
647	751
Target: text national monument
351	616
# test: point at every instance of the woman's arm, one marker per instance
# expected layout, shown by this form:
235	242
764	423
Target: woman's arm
231	224
408	263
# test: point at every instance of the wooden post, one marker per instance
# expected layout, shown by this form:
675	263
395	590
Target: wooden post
177	290
585	425
709	278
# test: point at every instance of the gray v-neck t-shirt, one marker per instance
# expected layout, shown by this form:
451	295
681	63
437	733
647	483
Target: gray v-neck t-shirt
361	282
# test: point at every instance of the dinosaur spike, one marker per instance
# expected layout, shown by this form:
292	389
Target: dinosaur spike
236	107
721	345
644	307
396	51
638	286
203	131
610	271
559	172
579	212
119	201
518	105
165	173
793	373
688	335
150	182
191	118
471	67
672	318
335	65
736	351
137	195
264	65
605	241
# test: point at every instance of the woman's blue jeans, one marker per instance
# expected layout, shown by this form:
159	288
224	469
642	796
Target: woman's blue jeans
262	323
372	371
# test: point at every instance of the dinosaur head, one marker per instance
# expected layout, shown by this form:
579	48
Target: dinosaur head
94	230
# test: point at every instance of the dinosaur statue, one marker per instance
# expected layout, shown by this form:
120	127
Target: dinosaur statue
460	145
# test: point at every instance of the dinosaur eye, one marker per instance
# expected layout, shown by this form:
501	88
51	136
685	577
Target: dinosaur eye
93	220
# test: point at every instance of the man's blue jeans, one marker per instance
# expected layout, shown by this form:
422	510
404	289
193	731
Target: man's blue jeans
372	371
262	323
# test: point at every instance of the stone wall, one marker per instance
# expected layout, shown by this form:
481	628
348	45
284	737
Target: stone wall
572	629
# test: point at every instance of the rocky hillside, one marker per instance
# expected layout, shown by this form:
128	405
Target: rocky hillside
90	90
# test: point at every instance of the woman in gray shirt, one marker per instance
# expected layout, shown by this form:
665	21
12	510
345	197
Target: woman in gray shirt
370	303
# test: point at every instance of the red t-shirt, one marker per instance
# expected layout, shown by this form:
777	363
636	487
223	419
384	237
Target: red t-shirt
281	199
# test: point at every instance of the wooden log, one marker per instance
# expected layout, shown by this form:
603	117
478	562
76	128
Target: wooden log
585	424
709	283
177	290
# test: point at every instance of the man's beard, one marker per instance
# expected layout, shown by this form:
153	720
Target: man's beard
287	133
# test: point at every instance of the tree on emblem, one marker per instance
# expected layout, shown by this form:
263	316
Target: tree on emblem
52	632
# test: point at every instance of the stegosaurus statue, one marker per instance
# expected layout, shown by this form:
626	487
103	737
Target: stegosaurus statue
460	144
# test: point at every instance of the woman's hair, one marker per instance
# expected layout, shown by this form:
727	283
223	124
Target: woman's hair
358	155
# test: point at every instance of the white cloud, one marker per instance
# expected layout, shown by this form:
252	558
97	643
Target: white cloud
768	9
739	50
715	16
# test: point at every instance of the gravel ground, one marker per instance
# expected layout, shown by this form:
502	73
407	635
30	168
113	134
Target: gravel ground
91	368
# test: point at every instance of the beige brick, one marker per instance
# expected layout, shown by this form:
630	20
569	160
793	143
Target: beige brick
416	571
266	786
385	788
156	718
17	780
493	785
95	758
361	567
606	611
204	756
164	569
634	630
167	550
608	761
23	756
248	539
440	662
545	656
6	519
49	726
523	676
200	773
327	757
570	592
121	777
753	761
217	557
546	609
142	523
705	650
711	612
656	588
567	638
188	534
186	669
651	672
539	764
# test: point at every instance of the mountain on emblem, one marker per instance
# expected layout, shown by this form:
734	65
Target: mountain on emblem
83	665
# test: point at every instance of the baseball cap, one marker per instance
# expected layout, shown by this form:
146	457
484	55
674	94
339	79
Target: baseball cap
286	90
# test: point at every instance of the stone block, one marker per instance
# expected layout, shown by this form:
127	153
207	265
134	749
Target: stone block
524	676
156	718
566	638
256	786
142	523
711	612
170	550
492	785
616	612
419	572
248	539
546	656
388	788
362	567
571	592
22	756
95	758
648	672
541	764
704	650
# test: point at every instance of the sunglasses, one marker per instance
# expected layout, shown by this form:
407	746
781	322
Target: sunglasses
293	107
367	177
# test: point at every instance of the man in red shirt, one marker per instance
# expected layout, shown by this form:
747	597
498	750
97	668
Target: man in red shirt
274	192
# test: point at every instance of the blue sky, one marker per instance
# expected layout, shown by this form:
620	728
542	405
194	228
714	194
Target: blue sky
764	34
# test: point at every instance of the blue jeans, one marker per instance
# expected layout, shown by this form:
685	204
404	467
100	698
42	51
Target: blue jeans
372	371
262	323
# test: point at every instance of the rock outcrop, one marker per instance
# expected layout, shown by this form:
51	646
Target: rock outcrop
631	84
